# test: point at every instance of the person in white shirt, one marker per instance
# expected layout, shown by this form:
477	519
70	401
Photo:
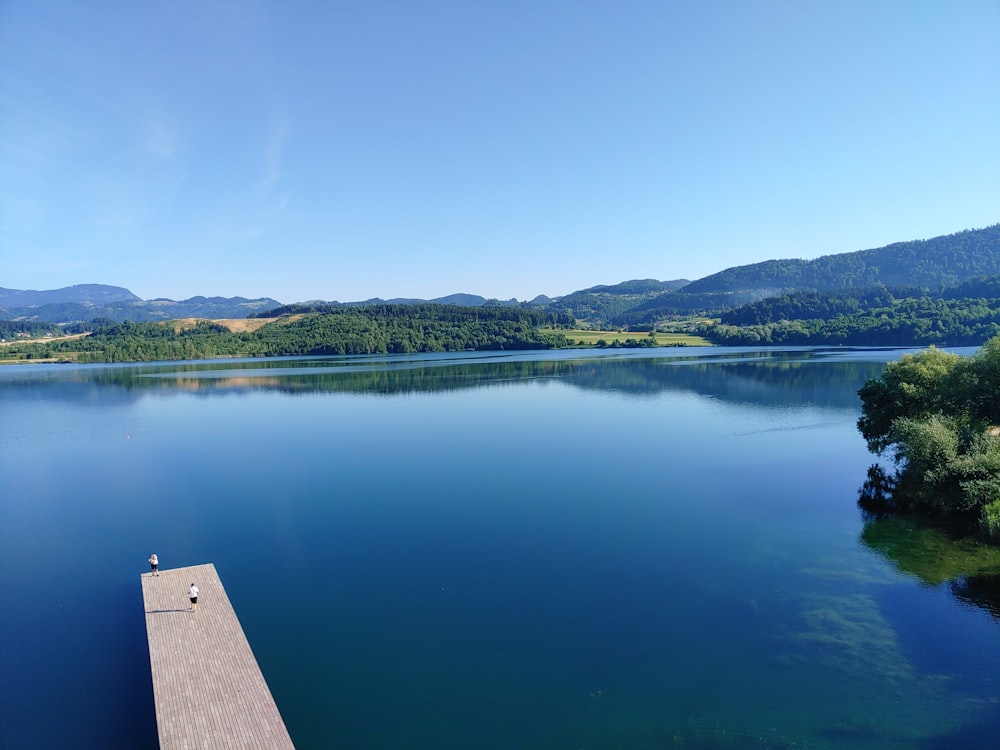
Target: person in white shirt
193	596
154	565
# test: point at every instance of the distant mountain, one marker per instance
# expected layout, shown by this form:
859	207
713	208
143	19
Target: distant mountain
637	286
603	304
86	302
462	300
934	263
207	307
95	294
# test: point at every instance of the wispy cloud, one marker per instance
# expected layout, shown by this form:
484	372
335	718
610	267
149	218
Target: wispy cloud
272	202
272	158
161	137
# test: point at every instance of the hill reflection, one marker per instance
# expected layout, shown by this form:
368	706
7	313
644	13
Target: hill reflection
768	378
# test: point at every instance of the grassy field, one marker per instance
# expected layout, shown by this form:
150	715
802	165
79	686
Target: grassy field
4	360
590	338
235	325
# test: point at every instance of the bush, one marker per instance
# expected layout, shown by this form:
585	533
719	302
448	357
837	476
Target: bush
990	521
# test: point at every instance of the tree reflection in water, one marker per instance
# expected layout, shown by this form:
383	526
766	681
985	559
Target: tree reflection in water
938	554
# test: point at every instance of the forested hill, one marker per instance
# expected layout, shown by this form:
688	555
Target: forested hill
607	303
934	264
964	315
330	329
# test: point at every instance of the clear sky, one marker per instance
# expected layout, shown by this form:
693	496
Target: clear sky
349	149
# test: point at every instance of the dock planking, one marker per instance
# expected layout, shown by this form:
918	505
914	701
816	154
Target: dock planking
209	691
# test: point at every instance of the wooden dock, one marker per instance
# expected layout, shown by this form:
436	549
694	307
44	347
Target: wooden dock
209	691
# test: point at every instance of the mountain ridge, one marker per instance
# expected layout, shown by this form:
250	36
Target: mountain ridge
909	263
946	260
78	293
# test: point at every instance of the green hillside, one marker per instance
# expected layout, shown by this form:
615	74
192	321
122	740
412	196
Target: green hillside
377	329
934	263
604	304
964	315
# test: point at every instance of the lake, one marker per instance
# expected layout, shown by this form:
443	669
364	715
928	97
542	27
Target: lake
574	549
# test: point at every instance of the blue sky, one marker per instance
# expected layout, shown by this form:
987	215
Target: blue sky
348	150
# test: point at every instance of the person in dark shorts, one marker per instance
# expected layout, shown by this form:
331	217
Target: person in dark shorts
193	596
154	565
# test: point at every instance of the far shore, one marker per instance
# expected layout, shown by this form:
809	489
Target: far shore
580	338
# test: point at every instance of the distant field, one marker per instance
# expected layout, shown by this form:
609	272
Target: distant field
590	338
236	325
42	339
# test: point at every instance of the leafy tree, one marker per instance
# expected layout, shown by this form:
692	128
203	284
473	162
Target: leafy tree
914	386
937	414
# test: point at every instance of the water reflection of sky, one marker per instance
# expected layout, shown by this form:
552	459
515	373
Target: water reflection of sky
444	537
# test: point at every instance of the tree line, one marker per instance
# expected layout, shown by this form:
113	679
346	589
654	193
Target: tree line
12	329
378	329
879	316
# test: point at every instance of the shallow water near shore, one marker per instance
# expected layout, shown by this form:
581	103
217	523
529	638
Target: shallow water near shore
620	549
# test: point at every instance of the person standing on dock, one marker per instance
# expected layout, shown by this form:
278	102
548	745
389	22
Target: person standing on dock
154	565
193	596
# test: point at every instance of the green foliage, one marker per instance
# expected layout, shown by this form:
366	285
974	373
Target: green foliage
876	317
934	263
377	329
929	448
813	305
873	297
980	382
937	413
638	286
914	386
944	291
977	471
638	303
991	521
682	303
597	307
933	553
14	329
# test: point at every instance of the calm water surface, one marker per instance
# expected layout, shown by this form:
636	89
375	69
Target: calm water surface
640	549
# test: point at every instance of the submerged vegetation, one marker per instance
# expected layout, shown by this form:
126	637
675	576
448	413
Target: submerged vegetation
936	415
934	554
